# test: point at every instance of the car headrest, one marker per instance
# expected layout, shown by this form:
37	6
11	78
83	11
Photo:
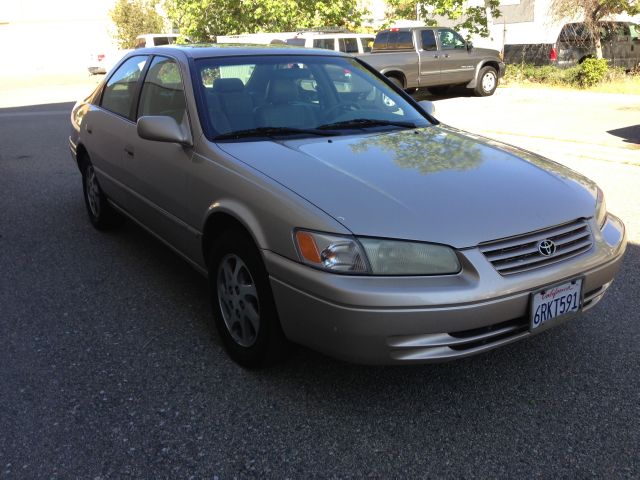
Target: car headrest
282	90
228	85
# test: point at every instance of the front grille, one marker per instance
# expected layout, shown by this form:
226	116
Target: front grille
520	253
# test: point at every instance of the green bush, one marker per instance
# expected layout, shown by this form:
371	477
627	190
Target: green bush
589	73
592	72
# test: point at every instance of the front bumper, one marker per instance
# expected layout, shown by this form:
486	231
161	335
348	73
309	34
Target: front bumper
386	320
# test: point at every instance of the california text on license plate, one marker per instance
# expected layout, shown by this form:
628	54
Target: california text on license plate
555	301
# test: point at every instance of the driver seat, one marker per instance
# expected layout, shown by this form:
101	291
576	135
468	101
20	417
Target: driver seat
282	108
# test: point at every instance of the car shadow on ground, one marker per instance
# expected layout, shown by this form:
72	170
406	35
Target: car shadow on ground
628	134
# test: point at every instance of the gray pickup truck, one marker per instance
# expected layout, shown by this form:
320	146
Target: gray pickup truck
434	57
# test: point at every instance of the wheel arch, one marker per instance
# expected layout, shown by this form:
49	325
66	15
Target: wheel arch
397	74
82	157
225	215
480	66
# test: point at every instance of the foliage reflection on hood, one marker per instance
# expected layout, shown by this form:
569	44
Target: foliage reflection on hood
427	150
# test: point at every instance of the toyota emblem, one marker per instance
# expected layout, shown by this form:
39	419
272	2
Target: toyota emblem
546	248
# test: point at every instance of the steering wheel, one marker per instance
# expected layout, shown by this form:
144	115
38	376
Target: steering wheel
341	108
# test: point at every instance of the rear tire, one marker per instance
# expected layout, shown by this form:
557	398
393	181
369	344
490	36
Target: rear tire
101	214
397	82
244	311
487	82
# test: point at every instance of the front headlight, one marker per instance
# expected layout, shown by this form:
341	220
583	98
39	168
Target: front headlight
601	209
373	256
393	257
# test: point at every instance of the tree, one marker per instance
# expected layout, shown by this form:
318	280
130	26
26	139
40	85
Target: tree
593	12
473	19
203	20
133	18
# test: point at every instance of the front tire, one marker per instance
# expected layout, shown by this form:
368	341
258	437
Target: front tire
101	215
487	82
244	311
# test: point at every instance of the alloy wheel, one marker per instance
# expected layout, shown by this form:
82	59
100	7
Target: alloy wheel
238	299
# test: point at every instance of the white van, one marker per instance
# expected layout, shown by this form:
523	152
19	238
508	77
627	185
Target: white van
158	39
341	42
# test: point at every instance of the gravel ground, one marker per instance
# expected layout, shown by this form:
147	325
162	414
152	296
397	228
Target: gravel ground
109	368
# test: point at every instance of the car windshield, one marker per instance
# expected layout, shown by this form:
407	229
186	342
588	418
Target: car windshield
265	96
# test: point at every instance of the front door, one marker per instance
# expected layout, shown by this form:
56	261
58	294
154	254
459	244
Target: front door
158	171
456	63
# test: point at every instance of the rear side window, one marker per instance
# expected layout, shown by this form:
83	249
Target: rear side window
428	40
121	88
327	43
348	45
162	92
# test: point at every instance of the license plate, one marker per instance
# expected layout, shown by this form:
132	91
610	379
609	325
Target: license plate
554	302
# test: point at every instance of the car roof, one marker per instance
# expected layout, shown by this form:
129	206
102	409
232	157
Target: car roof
234	49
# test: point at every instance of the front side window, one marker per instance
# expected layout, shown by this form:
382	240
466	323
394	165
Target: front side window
247	97
450	40
162	91
120	89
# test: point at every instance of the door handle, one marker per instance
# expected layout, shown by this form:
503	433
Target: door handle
435	56
89	129
446	56
129	151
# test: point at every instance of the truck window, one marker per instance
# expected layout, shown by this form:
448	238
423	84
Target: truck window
381	40
635	31
428	40
400	40
450	40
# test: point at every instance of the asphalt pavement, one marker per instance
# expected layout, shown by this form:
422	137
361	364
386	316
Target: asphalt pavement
109	367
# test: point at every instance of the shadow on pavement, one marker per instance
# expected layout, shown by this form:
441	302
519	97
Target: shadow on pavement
628	134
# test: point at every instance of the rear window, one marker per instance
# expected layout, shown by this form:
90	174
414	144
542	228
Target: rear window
381	40
394	40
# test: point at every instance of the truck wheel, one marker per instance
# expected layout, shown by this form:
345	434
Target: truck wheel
487	82
396	82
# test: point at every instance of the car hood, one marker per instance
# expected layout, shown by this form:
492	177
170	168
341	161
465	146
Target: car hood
433	184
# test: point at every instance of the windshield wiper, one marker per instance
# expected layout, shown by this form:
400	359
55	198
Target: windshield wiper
269	132
365	122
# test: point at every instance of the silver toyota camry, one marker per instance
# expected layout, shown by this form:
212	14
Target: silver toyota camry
329	209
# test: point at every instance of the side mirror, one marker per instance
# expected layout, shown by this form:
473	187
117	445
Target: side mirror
428	107
162	128
469	45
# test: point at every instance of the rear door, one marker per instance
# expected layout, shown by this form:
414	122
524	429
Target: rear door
456	63
429	58
107	127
